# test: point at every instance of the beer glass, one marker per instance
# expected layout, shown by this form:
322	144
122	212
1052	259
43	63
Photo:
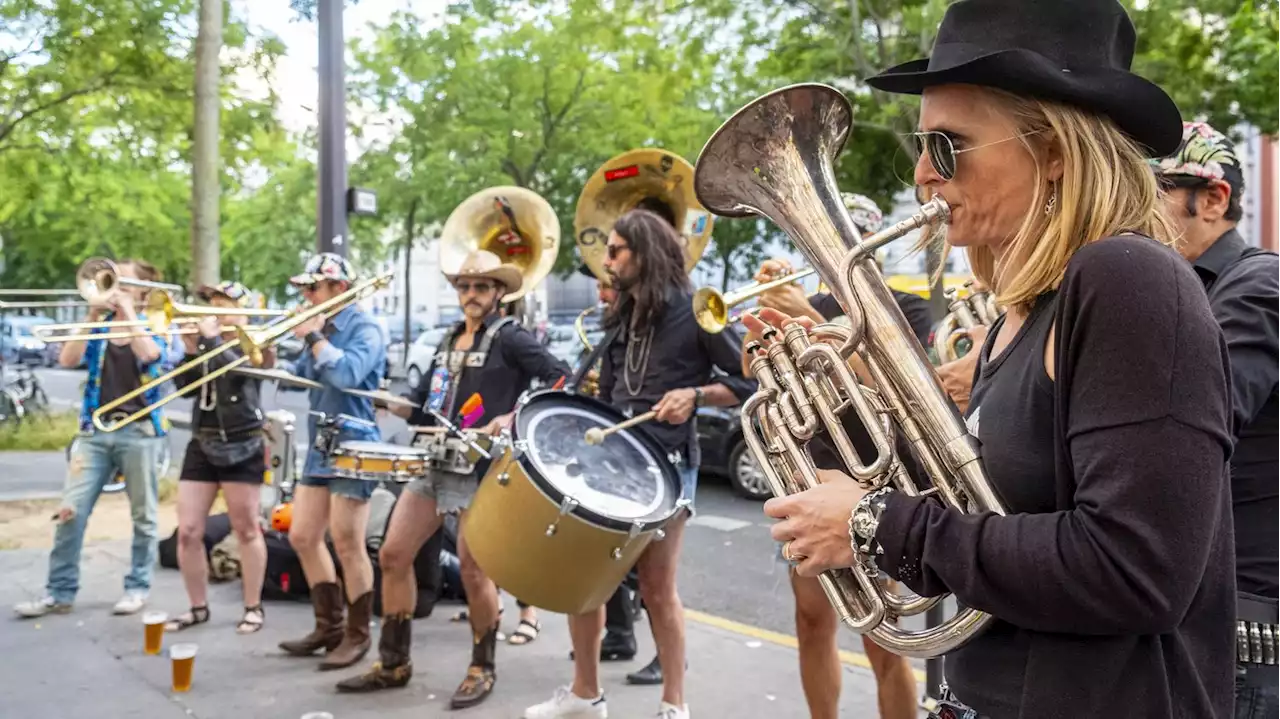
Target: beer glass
153	631
183	657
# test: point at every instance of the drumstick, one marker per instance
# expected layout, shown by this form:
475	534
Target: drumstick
596	435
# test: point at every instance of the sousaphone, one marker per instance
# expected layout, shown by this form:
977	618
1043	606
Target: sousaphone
515	224
624	182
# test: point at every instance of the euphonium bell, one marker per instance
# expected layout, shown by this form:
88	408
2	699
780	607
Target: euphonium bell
774	159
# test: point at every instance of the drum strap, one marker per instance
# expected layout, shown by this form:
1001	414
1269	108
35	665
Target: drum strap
594	357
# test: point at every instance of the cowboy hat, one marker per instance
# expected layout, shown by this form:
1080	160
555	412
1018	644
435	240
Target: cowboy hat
483	264
1078	53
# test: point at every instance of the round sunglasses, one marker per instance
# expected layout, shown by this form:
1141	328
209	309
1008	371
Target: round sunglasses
942	152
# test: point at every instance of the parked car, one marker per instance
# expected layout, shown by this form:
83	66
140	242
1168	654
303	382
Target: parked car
421	353
22	345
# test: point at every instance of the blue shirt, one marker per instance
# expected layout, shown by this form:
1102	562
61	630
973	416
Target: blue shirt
354	358
95	355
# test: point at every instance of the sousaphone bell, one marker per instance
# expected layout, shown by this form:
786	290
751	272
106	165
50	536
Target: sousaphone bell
514	223
626	182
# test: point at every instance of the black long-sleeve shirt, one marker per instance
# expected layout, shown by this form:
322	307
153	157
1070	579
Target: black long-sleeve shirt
681	355
1122	596
1244	290
515	359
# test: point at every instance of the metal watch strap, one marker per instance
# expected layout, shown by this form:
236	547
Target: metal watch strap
699	398
865	519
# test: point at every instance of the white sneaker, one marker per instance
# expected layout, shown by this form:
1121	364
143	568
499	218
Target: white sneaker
131	602
41	607
671	711
565	705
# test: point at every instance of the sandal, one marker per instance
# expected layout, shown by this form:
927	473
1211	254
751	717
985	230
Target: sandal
253	619
525	633
197	615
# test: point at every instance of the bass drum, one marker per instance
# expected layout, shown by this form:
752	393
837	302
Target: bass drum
557	522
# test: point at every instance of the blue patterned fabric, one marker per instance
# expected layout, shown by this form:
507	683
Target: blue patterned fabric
95	352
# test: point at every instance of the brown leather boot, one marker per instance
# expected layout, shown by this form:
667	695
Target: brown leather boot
481	675
326	599
355	640
393	669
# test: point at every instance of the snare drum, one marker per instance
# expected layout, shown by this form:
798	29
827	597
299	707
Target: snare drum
558	522
378	461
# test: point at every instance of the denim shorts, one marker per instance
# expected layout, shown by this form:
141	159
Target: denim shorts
318	473
452	492
689	486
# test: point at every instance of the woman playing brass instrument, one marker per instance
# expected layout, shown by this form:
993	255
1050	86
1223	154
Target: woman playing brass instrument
1105	414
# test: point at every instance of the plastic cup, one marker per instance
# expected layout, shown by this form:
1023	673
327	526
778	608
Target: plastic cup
183	657
153	631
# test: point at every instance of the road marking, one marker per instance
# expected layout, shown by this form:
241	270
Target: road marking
723	524
785	640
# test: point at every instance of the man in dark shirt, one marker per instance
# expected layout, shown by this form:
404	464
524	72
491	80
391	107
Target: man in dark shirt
1203	182
816	624
116	368
480	369
655	357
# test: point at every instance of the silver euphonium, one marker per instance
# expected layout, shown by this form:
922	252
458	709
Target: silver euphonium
774	159
978	308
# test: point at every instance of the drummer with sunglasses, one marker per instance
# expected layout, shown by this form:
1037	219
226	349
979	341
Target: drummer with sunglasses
481	368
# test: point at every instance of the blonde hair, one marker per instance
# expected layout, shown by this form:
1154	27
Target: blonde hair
1106	188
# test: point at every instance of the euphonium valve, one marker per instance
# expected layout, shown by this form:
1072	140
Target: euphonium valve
774	159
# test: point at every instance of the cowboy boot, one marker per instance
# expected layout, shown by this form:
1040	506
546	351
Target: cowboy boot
393	668
355	640
326	600
481	675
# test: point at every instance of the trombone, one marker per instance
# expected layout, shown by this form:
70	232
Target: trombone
90	336
38	304
711	309
98	278
251	343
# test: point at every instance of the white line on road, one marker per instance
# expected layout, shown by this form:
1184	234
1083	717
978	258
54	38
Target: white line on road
723	524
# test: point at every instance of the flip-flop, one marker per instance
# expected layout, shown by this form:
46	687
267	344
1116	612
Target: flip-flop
525	633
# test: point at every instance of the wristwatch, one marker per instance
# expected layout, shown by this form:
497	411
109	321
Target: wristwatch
312	338
699	399
864	520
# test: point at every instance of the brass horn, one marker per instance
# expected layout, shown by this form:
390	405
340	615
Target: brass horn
964	313
516	224
711	308
626	181
98	278
774	158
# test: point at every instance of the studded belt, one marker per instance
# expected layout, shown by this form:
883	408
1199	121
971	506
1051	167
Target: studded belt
1257	630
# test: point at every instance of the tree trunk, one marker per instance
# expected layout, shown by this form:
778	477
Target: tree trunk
205	170
409	232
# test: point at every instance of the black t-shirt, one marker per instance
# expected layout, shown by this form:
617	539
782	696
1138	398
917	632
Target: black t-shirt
120	375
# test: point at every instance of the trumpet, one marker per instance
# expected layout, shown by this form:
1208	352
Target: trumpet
774	158
250	343
98	279
711	309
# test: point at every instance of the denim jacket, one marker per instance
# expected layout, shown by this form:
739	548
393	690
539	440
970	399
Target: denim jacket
354	358
95	355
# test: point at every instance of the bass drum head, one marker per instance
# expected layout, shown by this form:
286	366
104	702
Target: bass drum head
625	480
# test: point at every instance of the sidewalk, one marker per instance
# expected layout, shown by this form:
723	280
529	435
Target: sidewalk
90	664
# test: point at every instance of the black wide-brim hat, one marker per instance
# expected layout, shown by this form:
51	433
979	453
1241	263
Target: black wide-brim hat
1077	52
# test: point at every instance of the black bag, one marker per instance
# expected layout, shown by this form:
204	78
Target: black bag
284	578
216	529
228	453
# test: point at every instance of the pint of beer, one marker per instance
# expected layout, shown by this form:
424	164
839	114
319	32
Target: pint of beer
183	657
153	631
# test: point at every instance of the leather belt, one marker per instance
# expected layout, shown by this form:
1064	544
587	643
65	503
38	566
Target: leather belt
1257	629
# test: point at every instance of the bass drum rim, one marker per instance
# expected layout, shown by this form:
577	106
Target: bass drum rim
583	512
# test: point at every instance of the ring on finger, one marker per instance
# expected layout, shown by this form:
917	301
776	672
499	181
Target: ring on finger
787	555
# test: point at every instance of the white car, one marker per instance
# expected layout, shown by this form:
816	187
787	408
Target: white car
421	353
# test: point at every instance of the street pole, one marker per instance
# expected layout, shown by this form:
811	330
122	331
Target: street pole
205	176
331	195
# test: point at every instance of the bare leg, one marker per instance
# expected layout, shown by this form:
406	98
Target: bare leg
348	520
657	572
306	533
895	682
194	501
242	508
412	524
482	594
819	652
586	631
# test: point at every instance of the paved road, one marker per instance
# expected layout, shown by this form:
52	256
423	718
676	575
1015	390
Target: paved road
730	567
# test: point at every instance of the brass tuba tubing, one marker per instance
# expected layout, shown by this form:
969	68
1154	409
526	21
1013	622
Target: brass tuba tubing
774	159
251	344
711	309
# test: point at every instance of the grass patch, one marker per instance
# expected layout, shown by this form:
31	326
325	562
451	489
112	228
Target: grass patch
40	432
